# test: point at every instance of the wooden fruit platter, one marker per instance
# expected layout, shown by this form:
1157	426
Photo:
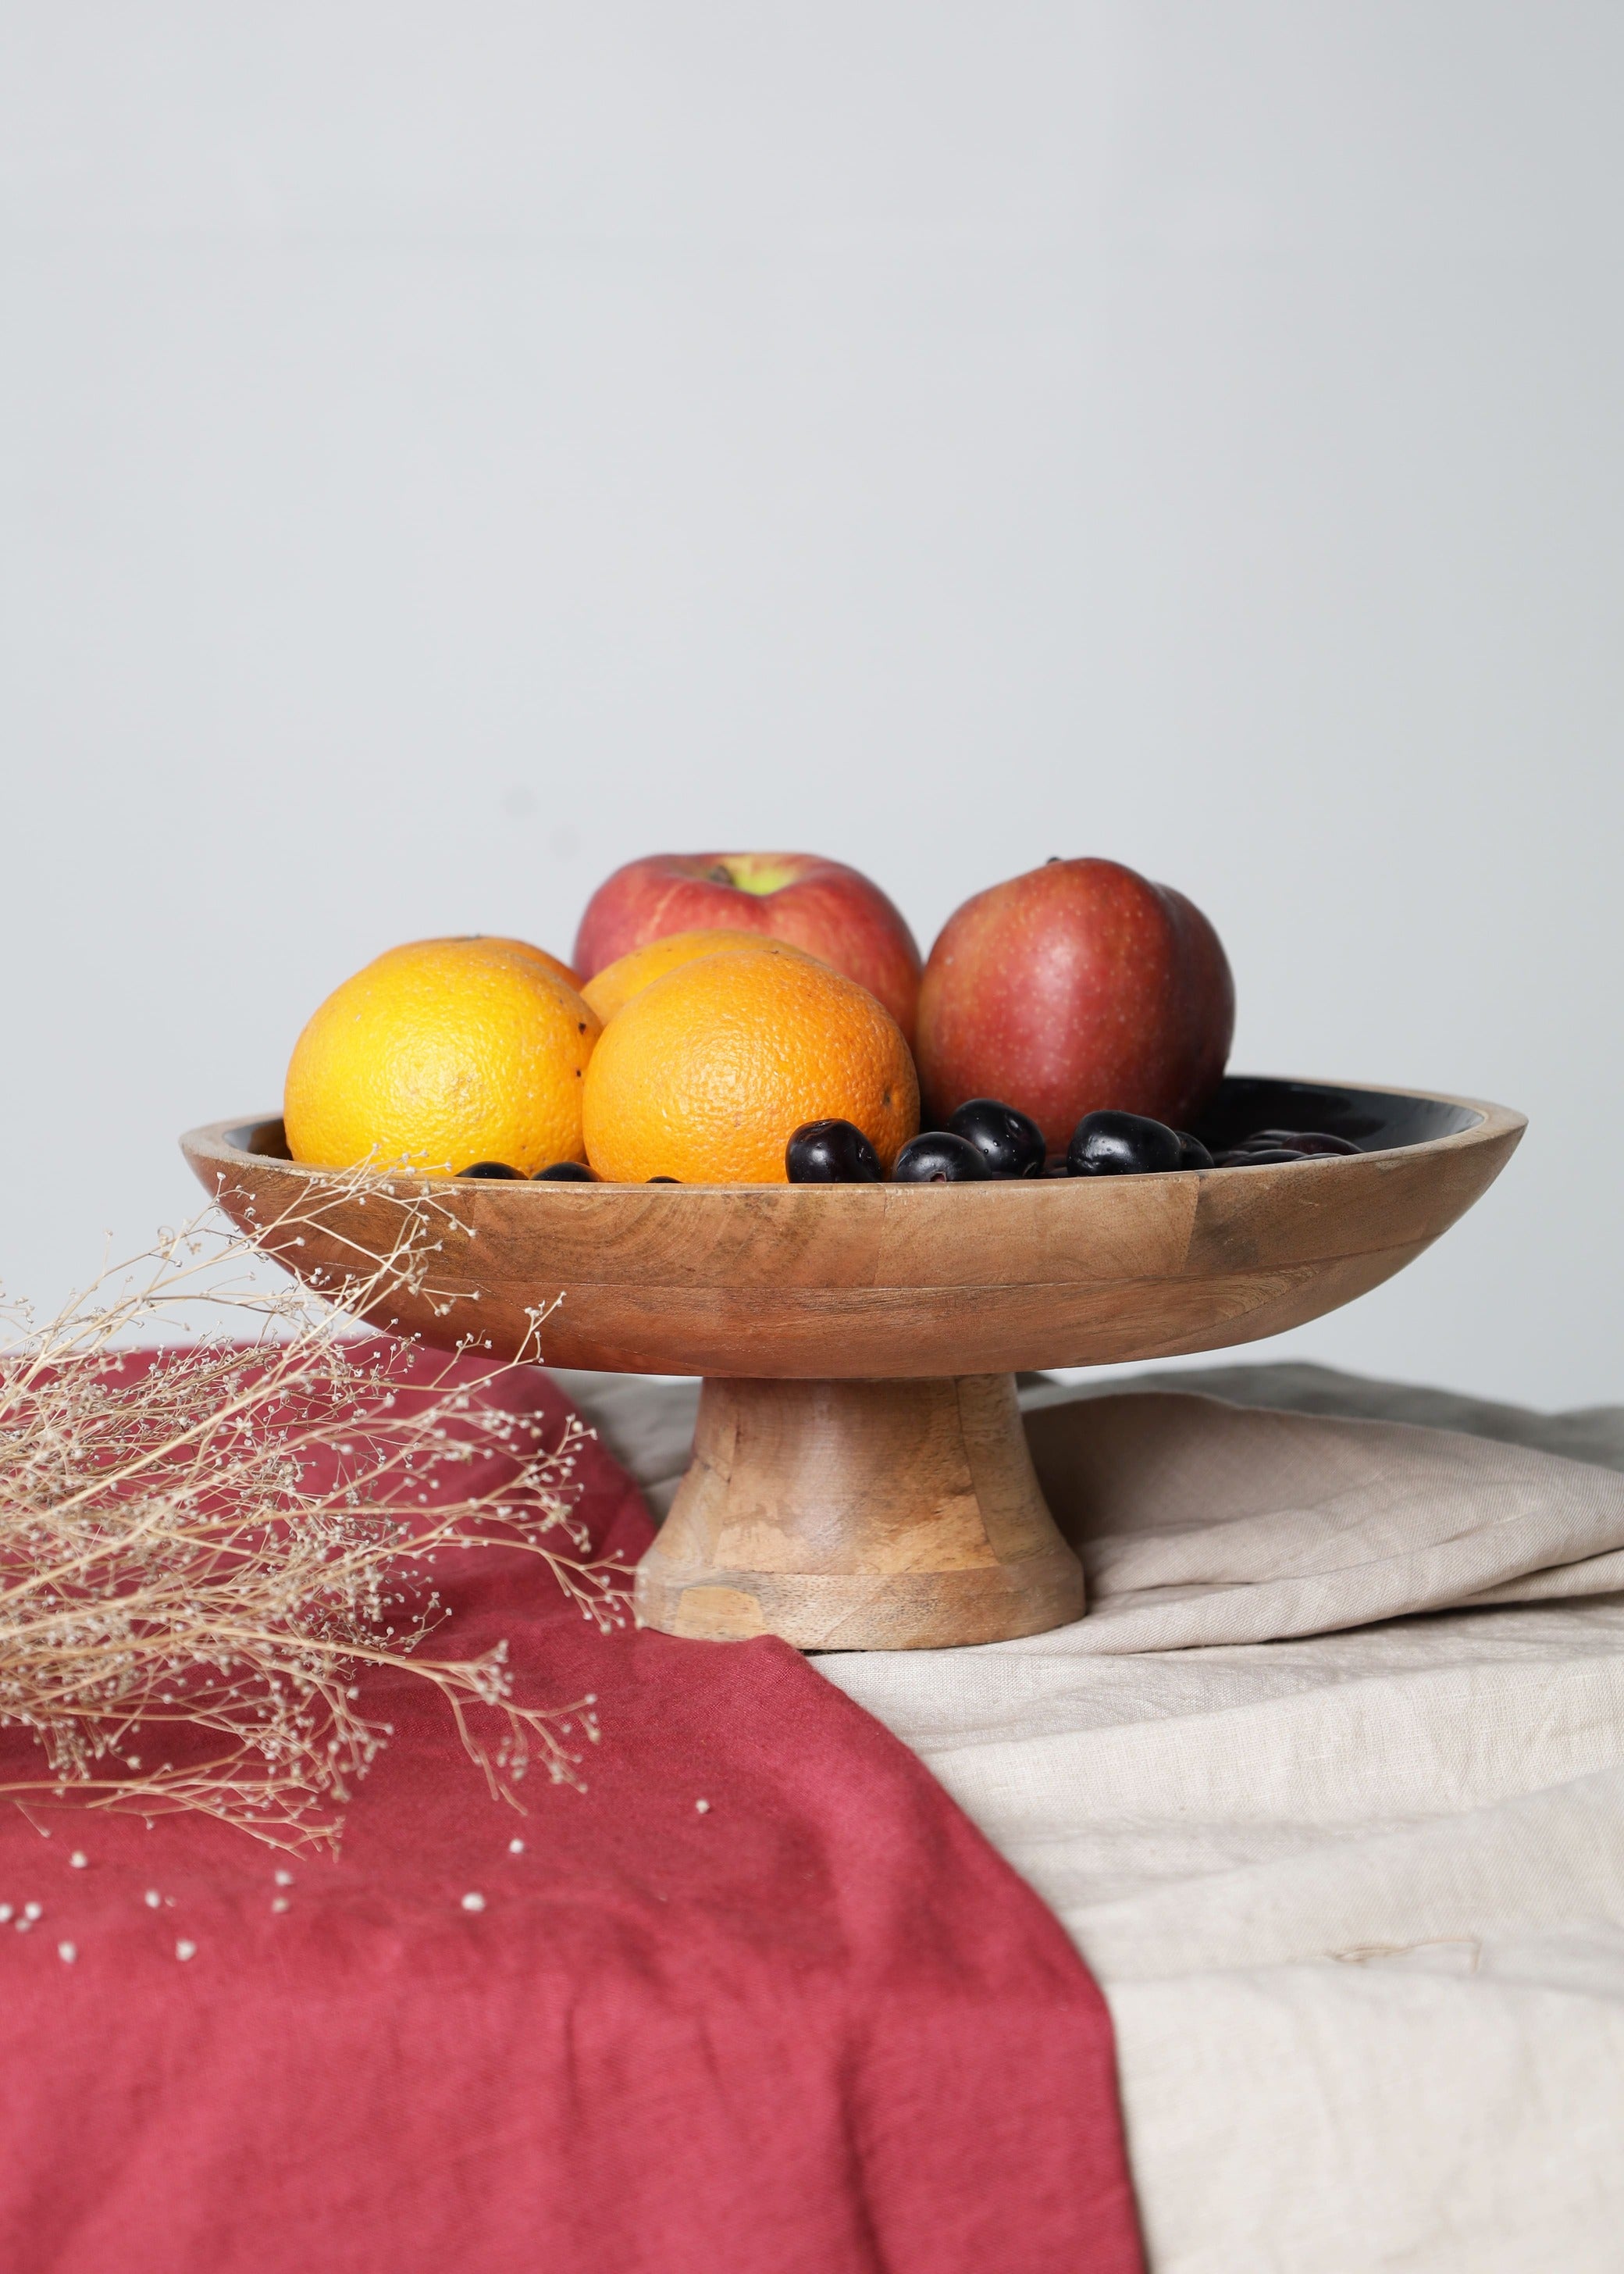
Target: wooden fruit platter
860	1478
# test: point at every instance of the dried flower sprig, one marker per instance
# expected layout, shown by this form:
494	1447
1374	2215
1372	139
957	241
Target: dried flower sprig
204	1545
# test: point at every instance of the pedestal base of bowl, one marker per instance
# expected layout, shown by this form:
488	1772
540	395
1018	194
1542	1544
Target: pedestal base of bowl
893	1515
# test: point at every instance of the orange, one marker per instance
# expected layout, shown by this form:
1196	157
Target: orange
559	969
441	1054
611	989
706	1073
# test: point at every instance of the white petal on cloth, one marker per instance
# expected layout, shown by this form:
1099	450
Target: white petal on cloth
1353	1882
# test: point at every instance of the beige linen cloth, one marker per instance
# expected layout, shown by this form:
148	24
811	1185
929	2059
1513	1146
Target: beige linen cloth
1328	1787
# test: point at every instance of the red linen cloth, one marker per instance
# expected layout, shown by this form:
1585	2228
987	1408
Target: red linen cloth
818	2026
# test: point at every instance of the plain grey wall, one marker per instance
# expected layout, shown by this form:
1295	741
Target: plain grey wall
449	450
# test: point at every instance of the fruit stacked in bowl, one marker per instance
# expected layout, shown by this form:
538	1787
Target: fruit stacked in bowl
759	1019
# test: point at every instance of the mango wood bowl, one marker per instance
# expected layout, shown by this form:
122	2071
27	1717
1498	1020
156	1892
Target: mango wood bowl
860	1478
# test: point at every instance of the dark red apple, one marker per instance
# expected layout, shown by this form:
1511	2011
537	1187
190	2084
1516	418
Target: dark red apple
1079	985
829	909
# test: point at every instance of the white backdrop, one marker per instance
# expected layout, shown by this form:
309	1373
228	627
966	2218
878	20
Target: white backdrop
449	450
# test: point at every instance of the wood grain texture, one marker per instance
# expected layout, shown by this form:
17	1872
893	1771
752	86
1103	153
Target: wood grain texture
860	1480
894	1280
860	1516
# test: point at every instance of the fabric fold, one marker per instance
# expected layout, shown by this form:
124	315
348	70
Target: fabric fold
762	1998
1201	1522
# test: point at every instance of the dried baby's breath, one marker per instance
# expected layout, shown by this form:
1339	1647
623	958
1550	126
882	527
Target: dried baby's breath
213	1552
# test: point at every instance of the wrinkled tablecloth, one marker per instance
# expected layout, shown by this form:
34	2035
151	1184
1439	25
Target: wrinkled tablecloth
1328	1789
760	1998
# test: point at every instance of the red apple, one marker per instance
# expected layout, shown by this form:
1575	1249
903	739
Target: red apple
823	906
1079	985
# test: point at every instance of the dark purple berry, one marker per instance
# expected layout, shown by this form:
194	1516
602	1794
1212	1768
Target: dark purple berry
1192	1153
1257	1156
832	1153
492	1169
565	1173
1107	1144
1010	1141
936	1156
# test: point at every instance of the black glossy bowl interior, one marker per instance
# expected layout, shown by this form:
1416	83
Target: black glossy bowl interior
1374	1120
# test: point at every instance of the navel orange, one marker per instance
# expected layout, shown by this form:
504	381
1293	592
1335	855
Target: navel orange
610	990
705	1074
441	1054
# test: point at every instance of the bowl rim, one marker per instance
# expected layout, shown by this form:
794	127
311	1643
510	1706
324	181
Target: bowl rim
222	1141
